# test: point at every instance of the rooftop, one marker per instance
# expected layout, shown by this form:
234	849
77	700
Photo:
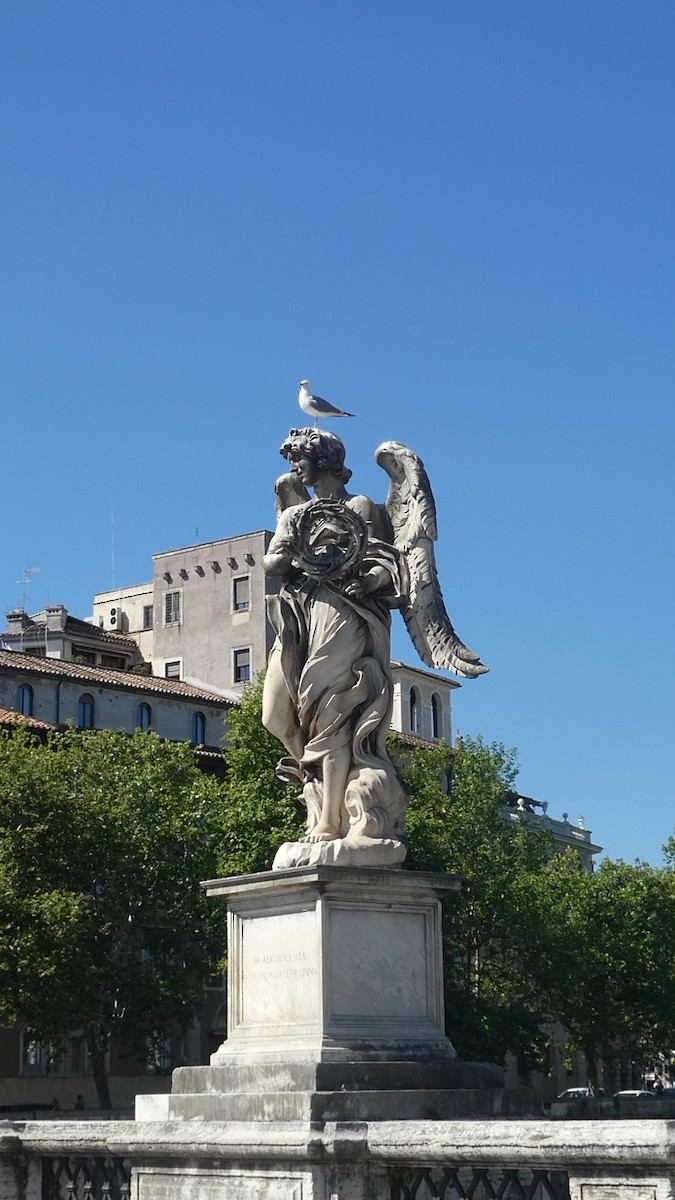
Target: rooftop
14	660
427	674
239	537
59	621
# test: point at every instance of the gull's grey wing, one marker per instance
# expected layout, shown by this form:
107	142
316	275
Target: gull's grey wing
412	512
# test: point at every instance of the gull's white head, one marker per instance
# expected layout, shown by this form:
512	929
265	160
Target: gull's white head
304	383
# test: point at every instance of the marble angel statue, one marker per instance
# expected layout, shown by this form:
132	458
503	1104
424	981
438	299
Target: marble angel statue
343	563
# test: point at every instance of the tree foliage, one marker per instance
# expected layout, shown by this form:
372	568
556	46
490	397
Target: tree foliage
103	924
104	927
259	811
613	934
496	993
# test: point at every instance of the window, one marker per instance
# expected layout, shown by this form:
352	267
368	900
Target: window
85	711
148	616
159	1055
82	655
242	666
24	700
33	1056
198	729
172	670
173	608
414	711
143	717
435	717
79	1059
241	593
113	660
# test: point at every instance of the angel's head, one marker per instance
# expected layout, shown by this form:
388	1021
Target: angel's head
310	451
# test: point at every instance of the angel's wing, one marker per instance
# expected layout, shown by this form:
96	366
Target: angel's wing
289	490
412	512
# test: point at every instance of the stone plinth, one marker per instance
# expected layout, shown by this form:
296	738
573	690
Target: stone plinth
333	964
335	1007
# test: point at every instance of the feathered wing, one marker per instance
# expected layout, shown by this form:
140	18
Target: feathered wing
412	512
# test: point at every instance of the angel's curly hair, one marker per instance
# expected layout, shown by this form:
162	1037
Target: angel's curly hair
325	449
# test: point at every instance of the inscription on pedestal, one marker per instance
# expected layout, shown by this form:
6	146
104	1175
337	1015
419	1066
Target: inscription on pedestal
280	974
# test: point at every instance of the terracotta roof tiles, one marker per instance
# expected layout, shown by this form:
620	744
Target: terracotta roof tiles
9	717
128	680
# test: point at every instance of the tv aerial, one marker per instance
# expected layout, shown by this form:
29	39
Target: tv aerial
28	573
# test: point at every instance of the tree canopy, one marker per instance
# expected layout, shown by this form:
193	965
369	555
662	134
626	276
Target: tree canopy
496	993
104	839
104	927
612	935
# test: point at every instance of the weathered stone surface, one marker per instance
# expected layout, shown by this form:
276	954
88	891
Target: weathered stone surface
605	1160
382	1105
330	963
336	1076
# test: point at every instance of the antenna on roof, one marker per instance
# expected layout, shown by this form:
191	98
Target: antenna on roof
112	539
27	573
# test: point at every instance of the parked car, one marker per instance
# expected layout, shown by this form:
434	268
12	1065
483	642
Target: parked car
635	1094
575	1093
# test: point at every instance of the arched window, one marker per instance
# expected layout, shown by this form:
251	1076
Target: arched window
198	729
143	717
435	717
24	700
414	711
85	711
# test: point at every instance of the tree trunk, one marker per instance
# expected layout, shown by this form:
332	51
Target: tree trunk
97	1057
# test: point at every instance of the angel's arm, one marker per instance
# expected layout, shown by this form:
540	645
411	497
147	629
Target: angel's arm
283	546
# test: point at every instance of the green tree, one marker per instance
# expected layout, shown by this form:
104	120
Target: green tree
614	960
103	924
495	933
260	812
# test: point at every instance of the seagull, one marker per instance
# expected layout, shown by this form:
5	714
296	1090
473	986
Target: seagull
316	406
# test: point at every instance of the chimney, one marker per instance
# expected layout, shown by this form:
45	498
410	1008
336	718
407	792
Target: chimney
56	616
17	621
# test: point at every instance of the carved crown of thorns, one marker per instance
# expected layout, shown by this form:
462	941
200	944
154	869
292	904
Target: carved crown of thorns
331	539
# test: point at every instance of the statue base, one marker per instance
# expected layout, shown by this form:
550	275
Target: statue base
335	1007
342	852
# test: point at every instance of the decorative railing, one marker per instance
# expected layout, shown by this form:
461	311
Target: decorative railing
104	1178
478	1183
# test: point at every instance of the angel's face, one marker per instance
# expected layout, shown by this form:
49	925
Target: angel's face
305	468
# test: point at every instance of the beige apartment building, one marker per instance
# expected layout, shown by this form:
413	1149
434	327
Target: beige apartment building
202	618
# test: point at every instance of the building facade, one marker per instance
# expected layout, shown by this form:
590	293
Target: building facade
203	618
56	692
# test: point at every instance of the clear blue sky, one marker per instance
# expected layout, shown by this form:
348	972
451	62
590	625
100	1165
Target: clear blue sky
458	220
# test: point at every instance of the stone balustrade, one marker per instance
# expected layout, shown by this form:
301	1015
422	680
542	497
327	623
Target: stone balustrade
177	1160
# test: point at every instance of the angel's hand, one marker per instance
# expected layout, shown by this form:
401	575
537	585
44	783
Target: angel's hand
355	589
370	581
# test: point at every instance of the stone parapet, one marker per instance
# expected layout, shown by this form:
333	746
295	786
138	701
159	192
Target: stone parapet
631	1160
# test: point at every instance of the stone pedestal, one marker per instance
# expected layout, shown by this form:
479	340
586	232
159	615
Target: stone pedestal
335	1027
329	964
335	1007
